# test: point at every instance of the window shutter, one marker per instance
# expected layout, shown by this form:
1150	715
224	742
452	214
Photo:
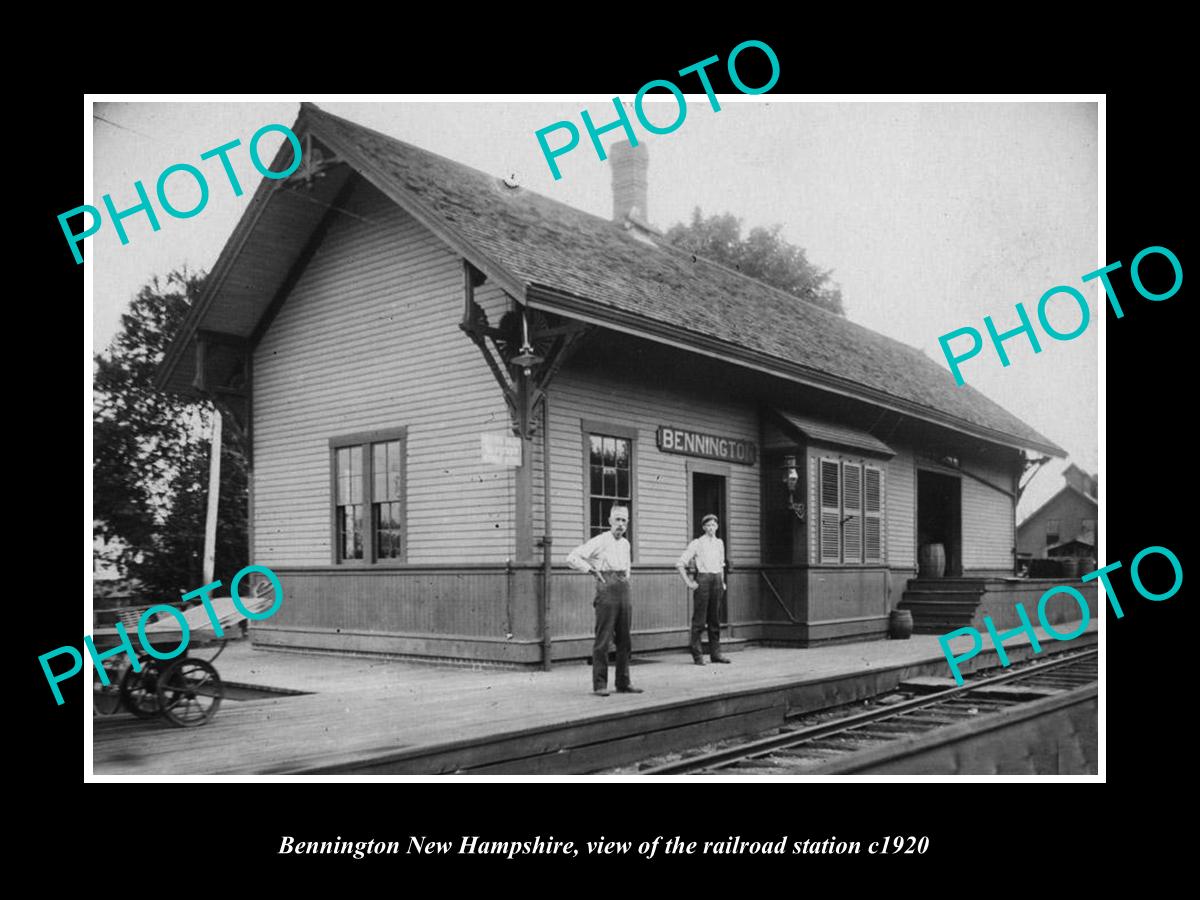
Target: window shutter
831	513
852	520
873	515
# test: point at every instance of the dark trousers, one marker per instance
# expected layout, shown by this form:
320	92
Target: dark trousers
706	610
613	614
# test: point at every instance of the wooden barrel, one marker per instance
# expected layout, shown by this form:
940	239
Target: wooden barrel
900	625
932	560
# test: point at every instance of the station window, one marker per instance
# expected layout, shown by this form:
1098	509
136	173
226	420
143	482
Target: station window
850	527
1052	526
610	480
368	497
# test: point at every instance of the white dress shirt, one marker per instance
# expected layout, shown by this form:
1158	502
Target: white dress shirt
604	553
709	553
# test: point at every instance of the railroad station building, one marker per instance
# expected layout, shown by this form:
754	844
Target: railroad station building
447	381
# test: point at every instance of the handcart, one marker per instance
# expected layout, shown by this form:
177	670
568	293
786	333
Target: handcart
185	690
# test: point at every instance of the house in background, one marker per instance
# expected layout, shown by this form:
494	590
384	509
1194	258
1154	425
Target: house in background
1065	525
447	382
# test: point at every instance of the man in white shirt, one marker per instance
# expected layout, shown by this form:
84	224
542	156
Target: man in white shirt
708	553
606	558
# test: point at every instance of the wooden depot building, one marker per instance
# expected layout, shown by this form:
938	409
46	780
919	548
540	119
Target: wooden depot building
448	380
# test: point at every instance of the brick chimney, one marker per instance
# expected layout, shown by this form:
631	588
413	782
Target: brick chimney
1081	480
629	179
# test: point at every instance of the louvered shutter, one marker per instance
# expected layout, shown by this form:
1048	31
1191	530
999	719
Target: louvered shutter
852	519
872	515
831	513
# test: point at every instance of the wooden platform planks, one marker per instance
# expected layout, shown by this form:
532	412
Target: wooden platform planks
373	716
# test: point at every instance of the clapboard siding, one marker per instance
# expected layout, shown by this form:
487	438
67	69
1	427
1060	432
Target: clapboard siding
369	340
660	519
901	492
987	519
539	489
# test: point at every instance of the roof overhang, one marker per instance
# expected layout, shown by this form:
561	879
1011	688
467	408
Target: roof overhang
832	434
284	223
275	237
554	300
256	268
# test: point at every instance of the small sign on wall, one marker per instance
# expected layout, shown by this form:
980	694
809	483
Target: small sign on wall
499	449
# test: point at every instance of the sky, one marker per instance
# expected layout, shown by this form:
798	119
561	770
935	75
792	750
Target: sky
931	215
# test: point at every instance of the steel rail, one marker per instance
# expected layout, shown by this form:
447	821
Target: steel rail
764	746
910	746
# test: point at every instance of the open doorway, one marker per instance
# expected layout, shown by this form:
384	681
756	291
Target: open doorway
939	515
708	496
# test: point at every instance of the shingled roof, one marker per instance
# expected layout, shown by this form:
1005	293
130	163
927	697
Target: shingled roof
553	256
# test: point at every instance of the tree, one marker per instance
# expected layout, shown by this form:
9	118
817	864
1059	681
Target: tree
151	454
762	254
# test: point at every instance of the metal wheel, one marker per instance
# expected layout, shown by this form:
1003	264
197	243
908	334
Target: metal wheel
189	692
138	689
106	700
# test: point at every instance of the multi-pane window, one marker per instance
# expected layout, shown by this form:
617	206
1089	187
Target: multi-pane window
349	511
610	480
368	514
1052	528
386	498
850	527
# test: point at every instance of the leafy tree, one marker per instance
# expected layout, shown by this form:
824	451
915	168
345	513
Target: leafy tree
762	254
151	454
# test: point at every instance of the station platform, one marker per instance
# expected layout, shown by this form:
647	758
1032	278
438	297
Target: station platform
365	716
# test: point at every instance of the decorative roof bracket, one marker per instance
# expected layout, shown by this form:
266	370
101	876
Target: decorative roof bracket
537	344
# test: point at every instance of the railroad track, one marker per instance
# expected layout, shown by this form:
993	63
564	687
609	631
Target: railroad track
888	734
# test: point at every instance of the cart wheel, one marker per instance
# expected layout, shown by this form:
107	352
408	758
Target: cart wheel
138	689
189	692
105	700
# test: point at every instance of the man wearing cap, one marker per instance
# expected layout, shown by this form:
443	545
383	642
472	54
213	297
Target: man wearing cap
708	552
606	558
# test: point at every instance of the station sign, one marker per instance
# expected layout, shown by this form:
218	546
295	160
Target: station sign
707	446
500	450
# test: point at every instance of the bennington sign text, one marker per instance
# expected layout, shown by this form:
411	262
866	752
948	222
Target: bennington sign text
710	446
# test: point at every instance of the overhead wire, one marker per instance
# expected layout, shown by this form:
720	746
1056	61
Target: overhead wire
122	127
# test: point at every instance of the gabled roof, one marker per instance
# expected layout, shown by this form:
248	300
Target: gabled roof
1065	489
1080	541
552	256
